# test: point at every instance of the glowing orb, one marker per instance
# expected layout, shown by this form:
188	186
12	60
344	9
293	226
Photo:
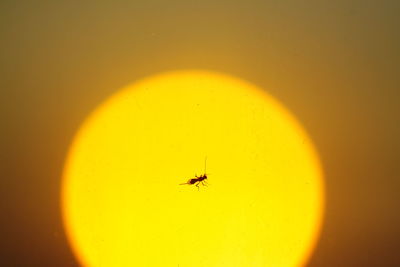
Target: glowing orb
122	202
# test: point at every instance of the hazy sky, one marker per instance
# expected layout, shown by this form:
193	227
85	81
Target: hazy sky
334	64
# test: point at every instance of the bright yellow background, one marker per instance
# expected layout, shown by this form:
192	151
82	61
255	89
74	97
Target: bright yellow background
123	205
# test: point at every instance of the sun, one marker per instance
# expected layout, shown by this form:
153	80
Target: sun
122	201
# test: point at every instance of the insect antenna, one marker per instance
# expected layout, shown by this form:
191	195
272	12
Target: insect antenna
204	182
205	165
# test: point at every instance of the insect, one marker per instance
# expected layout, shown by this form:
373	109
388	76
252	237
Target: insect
198	179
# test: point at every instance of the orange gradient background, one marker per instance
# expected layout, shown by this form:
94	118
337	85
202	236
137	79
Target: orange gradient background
334	64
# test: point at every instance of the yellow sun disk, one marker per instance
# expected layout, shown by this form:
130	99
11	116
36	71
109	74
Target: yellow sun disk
122	202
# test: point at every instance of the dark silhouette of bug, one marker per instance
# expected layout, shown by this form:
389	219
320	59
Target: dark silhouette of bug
198	179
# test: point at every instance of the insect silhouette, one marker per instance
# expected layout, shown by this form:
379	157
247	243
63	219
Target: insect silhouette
199	179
